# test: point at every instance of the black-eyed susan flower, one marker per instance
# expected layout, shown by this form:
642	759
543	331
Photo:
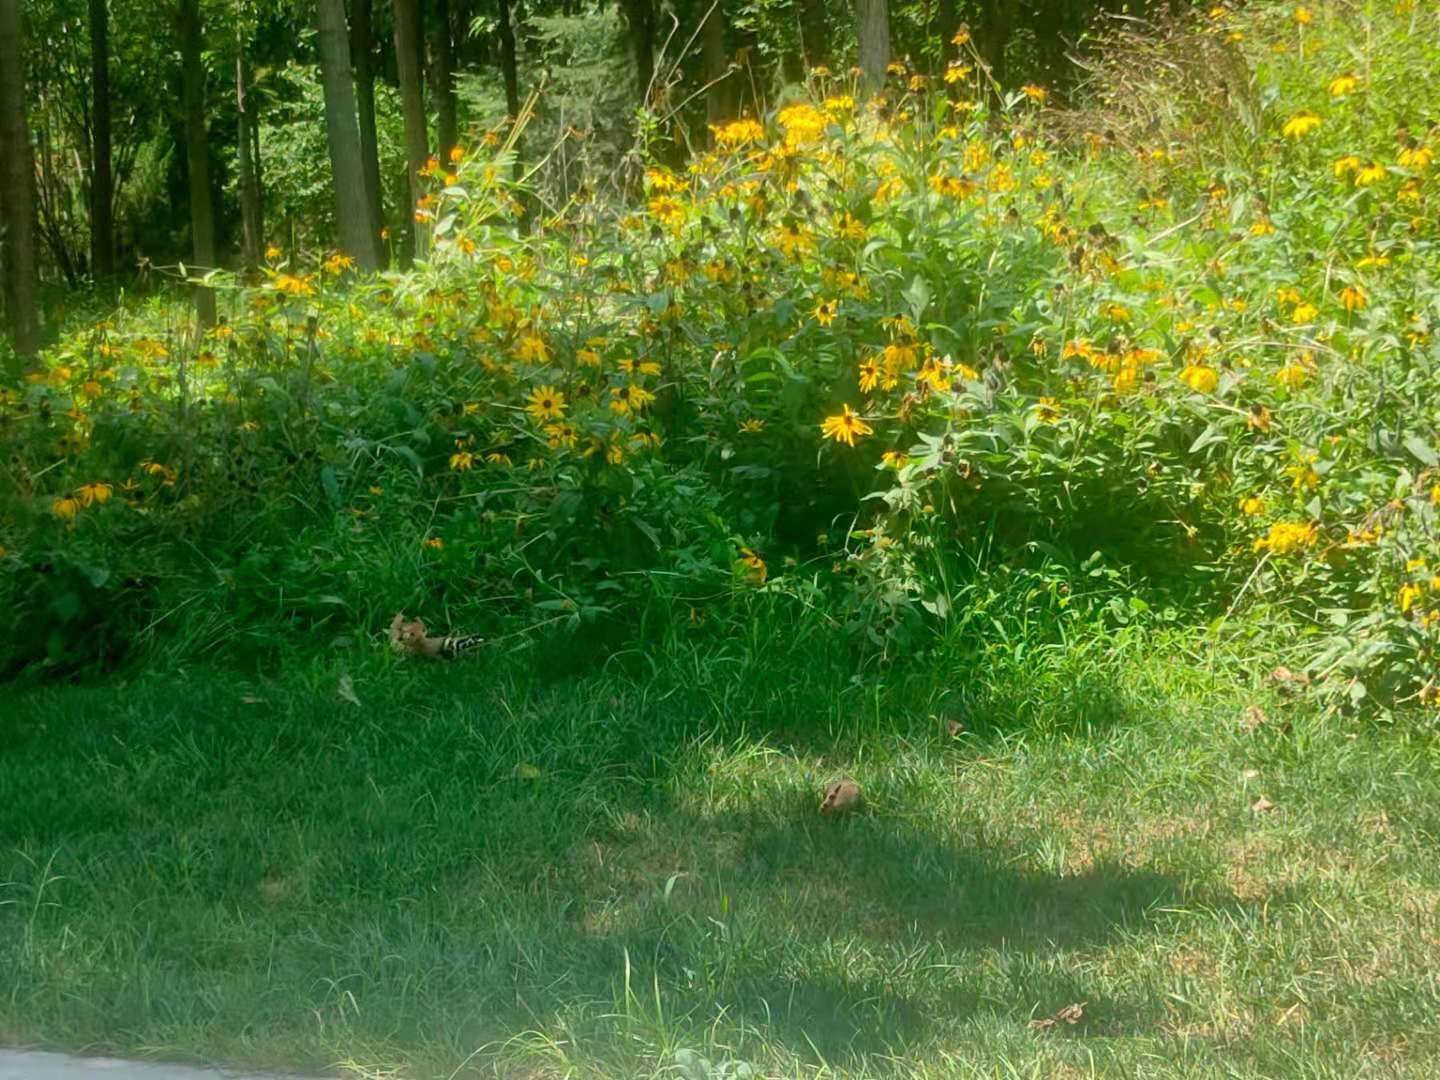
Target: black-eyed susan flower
546	403
1300	125
845	427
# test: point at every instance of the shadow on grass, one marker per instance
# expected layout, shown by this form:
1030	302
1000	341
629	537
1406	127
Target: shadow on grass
467	857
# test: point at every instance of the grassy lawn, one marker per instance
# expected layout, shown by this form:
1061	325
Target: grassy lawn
483	869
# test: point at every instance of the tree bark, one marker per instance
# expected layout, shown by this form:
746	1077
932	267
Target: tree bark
640	20
362	53
102	172
197	154
814	35
342	133
872	26
412	103
1000	17
715	64
252	222
442	80
17	192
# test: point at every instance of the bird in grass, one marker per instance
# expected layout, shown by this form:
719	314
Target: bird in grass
411	636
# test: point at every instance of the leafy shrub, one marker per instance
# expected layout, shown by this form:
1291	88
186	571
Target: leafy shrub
831	359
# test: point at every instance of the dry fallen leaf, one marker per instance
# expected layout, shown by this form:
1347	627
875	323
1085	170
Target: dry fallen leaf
1291	682
841	797
1262	804
1069	1015
955	728
1249	774
1254	718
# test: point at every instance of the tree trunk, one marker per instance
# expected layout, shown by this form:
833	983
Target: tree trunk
1000	18
872	25
342	133
102	173
252	222
640	20
17	192
412	102
716	63
507	61
362	51
442	80
814	34
511	74
947	21
197	154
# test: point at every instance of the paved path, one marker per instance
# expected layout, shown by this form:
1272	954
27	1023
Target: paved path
35	1065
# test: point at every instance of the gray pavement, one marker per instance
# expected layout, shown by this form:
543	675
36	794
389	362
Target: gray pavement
38	1065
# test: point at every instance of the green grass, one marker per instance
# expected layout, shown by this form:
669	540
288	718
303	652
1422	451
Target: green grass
486	870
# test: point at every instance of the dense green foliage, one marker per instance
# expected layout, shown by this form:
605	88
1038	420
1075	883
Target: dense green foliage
854	357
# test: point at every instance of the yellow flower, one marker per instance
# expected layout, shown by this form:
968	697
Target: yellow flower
802	124
532	347
65	508
737	133
1049	410
1416	157
1372	173
462	461
1353	298
1343	84
754	566
1259	418
1304	16
869	375
1200	378
845	426
337	263
1286	537
825	311
1034	93
957	71
752	426
272	253
1346	165
1293	376
94	493
1251	505
1409	593
1300	125
546	403
894	459
558	435
587	358
433	542
629	399
1304	313
668	210
962	36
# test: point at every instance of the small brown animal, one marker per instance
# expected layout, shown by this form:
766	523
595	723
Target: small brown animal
411	636
841	797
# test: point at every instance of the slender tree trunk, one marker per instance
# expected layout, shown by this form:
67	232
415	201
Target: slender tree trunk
1000	17
102	173
872	25
442	80
640	19
17	192
342	130
508	67
947	22
814	34
252	223
412	102
362	58
197	154
718	107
